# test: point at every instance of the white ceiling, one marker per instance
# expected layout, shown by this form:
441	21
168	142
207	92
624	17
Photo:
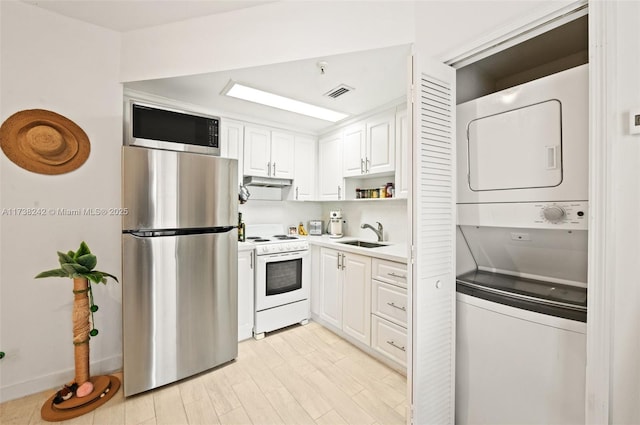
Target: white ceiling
378	76
127	15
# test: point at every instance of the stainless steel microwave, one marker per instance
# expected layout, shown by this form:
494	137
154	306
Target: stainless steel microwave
161	127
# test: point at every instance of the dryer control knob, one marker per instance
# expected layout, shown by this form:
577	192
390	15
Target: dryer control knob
554	213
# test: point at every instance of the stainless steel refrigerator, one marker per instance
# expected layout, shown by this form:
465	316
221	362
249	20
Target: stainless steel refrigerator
179	280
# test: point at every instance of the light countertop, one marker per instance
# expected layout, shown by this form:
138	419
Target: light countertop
245	246
391	251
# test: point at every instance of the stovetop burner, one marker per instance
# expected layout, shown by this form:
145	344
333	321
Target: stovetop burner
284	237
257	239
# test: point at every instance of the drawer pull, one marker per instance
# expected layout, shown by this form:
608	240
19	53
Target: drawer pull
396	306
393	344
397	275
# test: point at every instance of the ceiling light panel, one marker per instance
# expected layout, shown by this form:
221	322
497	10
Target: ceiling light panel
262	97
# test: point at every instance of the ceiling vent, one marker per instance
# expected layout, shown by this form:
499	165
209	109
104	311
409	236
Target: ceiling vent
339	91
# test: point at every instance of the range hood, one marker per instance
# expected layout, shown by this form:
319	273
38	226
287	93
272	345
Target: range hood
266	181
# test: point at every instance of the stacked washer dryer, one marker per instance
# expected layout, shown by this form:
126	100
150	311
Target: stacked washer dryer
522	253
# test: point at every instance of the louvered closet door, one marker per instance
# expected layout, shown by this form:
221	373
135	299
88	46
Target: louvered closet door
433	216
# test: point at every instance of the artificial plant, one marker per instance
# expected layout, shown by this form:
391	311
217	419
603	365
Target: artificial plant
79	266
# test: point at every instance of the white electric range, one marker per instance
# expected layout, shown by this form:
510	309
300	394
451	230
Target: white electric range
282	278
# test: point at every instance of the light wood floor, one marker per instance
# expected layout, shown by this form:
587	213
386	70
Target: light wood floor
300	375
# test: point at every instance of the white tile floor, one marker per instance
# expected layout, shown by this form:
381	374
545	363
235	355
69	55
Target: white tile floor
300	375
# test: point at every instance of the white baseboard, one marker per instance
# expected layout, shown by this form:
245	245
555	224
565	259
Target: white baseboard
57	379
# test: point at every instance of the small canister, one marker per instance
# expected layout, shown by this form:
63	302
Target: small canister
383	191
389	190
374	193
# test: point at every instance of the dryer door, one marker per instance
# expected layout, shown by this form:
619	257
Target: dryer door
516	149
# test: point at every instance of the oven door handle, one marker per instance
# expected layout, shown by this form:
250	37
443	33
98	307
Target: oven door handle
270	258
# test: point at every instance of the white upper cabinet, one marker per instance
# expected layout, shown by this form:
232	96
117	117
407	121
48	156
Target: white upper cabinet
268	153
403	151
381	147
330	183
369	146
282	155
257	151
231	145
354	149
304	183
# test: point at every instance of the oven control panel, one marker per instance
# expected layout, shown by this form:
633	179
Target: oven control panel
570	215
281	247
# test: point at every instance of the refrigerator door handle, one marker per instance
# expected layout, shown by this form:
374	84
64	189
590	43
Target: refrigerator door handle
143	233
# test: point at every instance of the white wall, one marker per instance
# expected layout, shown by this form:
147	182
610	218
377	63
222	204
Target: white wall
72	68
625	214
276	32
453	25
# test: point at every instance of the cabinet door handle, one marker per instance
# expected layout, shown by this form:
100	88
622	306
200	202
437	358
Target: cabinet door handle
339	191
274	169
361	166
338	266
296	193
393	344
269	168
401	276
396	306
342	266
366	168
251	261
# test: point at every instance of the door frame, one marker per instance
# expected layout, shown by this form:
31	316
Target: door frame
601	255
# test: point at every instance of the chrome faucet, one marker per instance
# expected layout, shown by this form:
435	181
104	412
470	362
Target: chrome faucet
378	231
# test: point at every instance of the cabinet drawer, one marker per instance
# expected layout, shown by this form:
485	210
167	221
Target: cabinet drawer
389	302
389	340
389	272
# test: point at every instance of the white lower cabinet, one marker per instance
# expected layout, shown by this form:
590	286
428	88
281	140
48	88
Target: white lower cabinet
330	290
356	293
389	339
365	300
245	294
389	302
389	306
345	293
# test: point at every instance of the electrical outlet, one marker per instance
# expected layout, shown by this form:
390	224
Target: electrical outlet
634	121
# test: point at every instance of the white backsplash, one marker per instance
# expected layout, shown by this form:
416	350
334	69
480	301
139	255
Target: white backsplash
392	215
287	213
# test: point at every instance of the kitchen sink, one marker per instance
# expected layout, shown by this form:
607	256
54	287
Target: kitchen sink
363	244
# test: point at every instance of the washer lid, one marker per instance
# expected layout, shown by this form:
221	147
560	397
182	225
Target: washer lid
568	296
